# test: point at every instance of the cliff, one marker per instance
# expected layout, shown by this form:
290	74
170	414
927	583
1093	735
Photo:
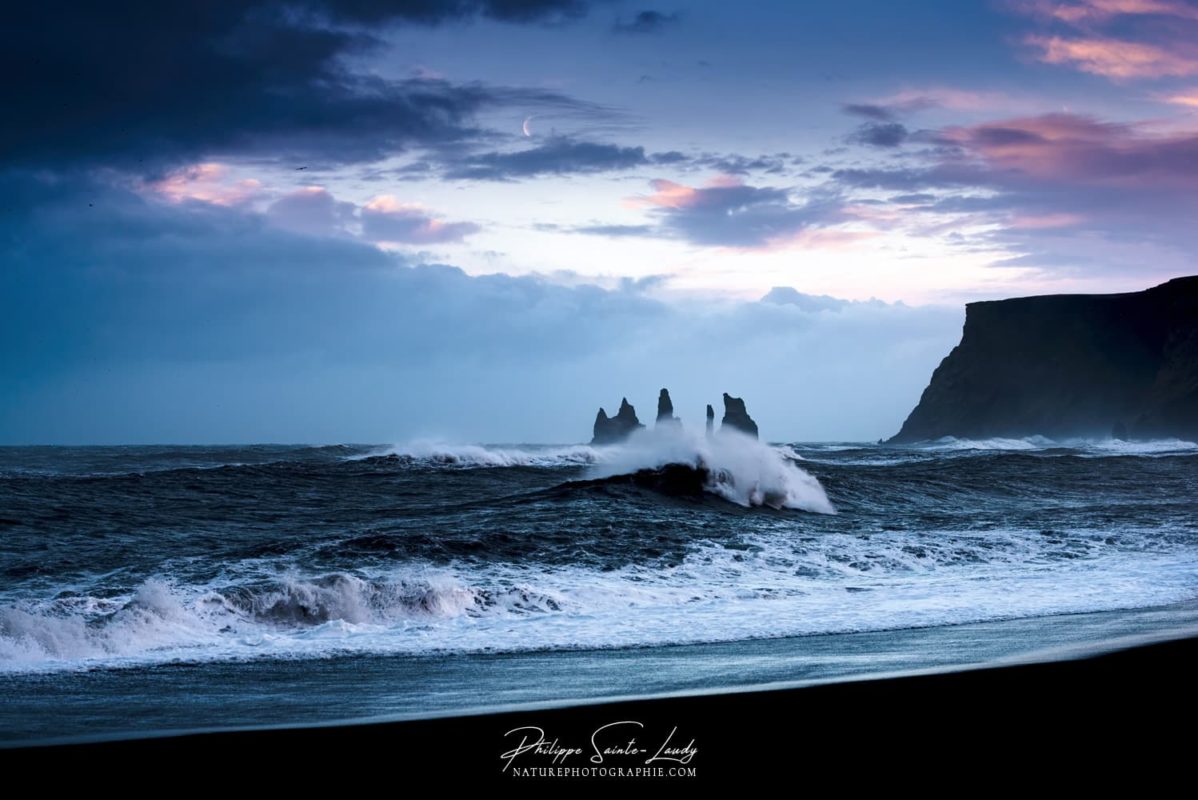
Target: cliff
1066	366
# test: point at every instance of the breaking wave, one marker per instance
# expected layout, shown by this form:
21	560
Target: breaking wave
784	585
733	466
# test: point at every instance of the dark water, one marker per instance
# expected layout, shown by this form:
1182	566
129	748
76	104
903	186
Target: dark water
182	587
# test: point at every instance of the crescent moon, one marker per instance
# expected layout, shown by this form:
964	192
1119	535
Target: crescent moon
527	130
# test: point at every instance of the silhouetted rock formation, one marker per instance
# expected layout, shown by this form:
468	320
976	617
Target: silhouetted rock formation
617	428
1069	366
665	410
710	420
735	416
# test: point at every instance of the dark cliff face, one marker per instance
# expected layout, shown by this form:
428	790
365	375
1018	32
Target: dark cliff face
1069	366
618	428
736	417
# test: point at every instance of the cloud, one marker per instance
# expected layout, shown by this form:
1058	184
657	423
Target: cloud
729	213
913	100
1083	11
559	155
1188	99
160	322
1066	193
1118	39
1083	151
878	113
1045	152
735	164
208	182
906	179
880	134
312	210
611	231
646	22
385	219
1113	58
147	86
789	296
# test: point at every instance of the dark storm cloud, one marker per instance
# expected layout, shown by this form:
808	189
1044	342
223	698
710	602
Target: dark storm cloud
646	22
559	155
432	12
145	85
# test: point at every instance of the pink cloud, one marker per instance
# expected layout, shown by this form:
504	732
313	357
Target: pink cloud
208	182
1082	150
728	214
950	98
1082	11
1187	98
386	219
666	194
1079	12
1153	38
1045	221
1115	58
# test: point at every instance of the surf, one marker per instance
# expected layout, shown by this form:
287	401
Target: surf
729	465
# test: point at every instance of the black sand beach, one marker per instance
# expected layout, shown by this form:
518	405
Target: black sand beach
1122	711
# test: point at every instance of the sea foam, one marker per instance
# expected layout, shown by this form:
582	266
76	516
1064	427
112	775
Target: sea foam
739	468
786	584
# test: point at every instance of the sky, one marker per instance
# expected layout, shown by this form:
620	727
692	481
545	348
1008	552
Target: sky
480	220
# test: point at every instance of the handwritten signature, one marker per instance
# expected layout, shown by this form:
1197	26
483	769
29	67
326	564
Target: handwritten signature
610	741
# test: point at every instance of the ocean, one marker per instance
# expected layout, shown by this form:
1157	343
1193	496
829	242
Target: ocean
169	588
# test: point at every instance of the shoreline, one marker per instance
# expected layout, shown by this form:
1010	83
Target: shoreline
1127	701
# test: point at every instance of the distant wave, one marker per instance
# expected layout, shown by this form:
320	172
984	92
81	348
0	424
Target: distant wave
1033	443
473	455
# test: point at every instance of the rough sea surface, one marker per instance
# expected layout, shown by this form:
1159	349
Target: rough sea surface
174	588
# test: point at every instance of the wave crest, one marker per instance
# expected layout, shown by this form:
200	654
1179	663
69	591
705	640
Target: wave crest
736	467
433	453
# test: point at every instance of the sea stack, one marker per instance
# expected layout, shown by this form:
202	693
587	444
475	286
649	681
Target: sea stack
710	420
665	410
609	430
735	416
